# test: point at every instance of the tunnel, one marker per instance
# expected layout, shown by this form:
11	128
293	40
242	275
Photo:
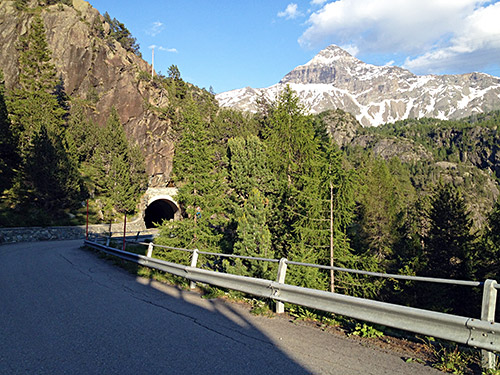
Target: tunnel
159	210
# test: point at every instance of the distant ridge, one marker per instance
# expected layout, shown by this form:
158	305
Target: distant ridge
376	94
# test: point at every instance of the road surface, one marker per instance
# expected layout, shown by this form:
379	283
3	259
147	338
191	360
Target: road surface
64	310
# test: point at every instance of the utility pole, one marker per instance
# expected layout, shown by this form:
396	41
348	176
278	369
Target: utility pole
153	63
332	274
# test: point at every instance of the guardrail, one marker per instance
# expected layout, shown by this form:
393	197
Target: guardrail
481	333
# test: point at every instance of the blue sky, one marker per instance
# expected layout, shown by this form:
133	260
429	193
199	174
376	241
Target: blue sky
230	44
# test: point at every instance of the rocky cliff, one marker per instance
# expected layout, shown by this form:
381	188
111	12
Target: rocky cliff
376	94
95	67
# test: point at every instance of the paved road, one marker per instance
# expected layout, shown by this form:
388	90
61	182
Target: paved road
63	310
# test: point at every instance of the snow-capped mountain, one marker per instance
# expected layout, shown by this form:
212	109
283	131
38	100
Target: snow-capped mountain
375	94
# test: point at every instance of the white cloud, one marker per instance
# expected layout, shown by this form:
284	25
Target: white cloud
351	49
156	28
433	32
173	50
475	44
318	2
290	12
160	48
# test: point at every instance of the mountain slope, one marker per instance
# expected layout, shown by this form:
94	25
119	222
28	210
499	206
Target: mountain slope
376	94
96	68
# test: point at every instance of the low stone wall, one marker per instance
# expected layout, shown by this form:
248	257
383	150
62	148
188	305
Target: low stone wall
31	234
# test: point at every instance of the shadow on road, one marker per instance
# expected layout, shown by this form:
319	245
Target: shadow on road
65	310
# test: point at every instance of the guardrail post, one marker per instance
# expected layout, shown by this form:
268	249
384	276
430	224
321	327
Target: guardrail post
280	306
194	261
150	250
107	240
488	314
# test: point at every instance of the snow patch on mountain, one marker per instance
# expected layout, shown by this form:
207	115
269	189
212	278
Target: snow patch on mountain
374	94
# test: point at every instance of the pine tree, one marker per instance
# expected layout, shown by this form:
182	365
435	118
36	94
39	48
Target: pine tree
199	173
326	204
34	102
254	237
380	204
38	124
449	247
119	170
289	139
8	155
50	177
489	258
248	167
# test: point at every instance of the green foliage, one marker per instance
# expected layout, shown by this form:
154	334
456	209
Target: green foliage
489	259
8	154
451	361
122	35
253	237
366	330
34	102
260	308
449	247
119	169
200	177
46	179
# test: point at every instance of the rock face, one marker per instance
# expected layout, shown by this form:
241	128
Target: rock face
95	67
376	94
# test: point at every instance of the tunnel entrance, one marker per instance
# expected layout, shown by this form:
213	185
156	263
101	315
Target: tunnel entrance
159	210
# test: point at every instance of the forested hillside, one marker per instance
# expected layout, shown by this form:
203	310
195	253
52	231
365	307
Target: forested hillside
277	185
81	116
414	197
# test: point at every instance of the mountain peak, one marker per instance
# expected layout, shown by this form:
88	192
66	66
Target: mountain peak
331	55
377	94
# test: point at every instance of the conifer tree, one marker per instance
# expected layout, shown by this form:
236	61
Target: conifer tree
449	248
253	236
8	154
289	139
489	258
38	125
51	179
119	169
33	102
248	167
380	204
199	174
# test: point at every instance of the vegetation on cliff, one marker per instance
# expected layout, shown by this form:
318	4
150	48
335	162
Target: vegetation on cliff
53	157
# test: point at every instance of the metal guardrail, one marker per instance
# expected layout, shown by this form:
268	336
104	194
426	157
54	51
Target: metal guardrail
481	333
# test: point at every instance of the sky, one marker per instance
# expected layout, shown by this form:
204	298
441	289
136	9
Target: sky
230	44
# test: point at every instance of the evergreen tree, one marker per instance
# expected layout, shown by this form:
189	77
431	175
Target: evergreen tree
380	205
449	248
289	139
120	175
489	258
248	167
199	173
289	136
51	179
82	135
326	204
34	104
253	236
38	125
122	35
8	154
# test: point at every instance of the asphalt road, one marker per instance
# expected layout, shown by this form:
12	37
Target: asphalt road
64	310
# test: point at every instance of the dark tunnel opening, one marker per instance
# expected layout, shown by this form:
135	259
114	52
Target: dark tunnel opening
158	211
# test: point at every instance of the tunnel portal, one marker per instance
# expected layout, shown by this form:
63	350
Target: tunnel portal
159	210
